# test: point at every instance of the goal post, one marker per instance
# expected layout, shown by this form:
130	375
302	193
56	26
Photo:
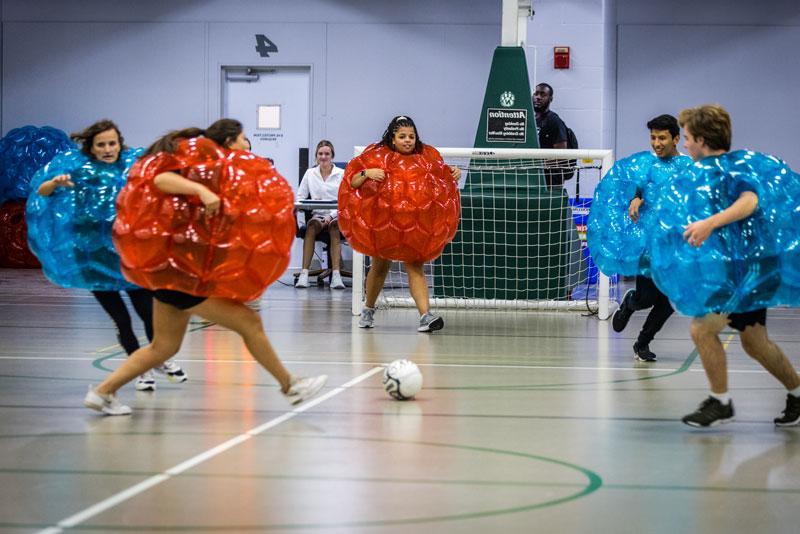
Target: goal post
517	246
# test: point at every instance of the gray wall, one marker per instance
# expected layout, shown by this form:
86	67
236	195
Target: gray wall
159	63
741	54
585	94
112	73
154	65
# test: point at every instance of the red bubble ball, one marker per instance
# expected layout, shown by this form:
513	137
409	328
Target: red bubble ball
166	241
409	216
14	251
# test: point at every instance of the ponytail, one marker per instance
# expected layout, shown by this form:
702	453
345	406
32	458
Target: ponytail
169	142
223	132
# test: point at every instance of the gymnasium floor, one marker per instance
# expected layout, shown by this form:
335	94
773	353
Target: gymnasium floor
527	423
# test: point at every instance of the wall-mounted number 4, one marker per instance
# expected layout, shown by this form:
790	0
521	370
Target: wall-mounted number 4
264	46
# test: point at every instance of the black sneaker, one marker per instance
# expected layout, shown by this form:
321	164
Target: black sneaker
621	317
711	412
642	353
791	415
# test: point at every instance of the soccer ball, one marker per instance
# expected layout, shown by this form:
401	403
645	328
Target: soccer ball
402	379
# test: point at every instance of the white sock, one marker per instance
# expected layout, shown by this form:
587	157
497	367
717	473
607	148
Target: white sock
795	392
304	272
724	398
336	272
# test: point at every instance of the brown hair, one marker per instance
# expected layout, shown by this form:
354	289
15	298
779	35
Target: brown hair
222	132
86	137
323	143
711	123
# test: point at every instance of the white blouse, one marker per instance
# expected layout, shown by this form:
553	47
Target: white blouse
313	185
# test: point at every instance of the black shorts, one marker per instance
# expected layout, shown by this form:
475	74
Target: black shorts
740	321
177	299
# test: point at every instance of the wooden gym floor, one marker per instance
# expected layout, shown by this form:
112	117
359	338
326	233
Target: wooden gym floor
527	423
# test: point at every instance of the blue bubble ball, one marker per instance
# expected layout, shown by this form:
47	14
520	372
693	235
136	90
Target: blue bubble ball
23	151
617	244
70	230
745	265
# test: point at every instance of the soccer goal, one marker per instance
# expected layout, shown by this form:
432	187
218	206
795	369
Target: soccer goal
518	245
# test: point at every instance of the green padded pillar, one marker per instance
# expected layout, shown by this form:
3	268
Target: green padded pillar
508	92
511	243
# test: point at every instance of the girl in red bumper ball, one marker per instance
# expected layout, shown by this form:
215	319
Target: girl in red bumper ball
206	226
399	201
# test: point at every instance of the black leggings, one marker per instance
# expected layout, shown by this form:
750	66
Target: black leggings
645	296
112	303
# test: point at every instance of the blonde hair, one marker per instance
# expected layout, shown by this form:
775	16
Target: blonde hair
711	123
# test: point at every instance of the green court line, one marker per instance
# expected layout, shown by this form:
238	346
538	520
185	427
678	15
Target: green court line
594	482
431	481
371	480
722	489
162	384
99	362
687	363
522	417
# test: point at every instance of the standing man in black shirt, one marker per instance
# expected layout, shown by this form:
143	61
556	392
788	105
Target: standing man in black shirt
552	132
551	129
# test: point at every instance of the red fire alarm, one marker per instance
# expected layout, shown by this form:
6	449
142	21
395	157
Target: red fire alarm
560	57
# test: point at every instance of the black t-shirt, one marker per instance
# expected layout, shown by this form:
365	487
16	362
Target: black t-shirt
551	130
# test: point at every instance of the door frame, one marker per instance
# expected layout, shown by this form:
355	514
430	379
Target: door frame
223	69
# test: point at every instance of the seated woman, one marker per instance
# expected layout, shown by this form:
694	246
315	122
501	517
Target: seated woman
322	183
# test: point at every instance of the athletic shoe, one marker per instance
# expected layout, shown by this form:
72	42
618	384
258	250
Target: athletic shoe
172	371
367	319
304	388
621	317
791	415
302	280
146	382
642	353
430	323
336	281
711	412
108	404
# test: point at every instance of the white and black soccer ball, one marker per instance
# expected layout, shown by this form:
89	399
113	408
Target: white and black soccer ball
402	379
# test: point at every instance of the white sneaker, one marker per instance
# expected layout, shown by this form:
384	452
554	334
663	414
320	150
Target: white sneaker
302	280
146	382
336	281
108	404
430	323
367	319
304	388
172	371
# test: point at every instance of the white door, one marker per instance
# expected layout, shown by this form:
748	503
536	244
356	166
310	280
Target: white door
273	104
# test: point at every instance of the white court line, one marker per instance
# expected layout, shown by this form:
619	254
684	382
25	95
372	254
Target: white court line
355	363
154	480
